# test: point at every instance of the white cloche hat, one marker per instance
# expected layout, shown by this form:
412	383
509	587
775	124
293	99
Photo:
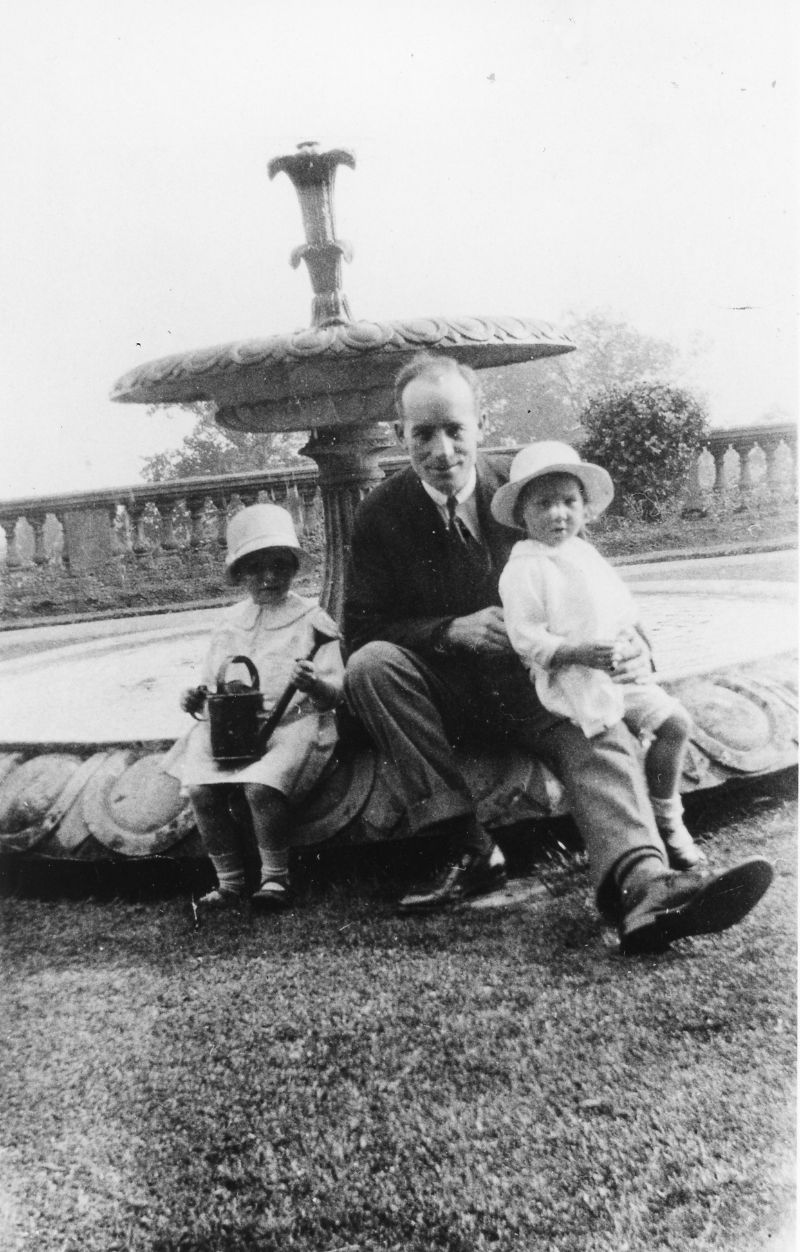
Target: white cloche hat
261	526
549	456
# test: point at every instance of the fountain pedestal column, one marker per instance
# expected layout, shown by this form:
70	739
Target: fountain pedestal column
347	459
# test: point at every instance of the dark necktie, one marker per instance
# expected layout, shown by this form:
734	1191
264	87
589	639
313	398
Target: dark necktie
457	529
467	554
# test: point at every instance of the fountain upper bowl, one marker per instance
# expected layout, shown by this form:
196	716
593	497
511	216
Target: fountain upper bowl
328	375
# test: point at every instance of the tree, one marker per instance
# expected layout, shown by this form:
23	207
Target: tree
544	399
209	451
646	437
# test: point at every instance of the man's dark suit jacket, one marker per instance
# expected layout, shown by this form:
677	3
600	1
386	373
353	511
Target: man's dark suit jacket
405	581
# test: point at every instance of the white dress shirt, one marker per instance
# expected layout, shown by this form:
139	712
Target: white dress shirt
466	504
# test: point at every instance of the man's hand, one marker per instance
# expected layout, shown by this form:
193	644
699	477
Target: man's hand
483	633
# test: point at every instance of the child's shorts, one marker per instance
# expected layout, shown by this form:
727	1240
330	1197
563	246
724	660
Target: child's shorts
647	706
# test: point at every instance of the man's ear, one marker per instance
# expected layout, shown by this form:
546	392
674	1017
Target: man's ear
481	427
399	432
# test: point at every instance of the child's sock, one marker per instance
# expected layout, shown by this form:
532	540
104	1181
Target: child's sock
230	873
682	850
274	863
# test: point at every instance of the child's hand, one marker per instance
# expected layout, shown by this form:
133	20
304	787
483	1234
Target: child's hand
304	676
325	692
193	699
600	654
633	660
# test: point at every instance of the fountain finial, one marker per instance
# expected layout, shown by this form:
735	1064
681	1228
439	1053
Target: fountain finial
313	173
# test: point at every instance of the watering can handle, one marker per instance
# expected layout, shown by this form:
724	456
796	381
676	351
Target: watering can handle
283	702
237	660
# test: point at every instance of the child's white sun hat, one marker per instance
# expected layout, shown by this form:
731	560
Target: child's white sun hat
550	456
261	526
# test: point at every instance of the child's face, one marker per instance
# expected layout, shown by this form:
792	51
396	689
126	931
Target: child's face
552	508
267	575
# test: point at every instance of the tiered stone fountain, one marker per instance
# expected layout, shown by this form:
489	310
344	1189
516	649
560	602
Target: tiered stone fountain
87	718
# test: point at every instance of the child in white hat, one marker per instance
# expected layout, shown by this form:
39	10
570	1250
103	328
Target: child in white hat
570	618
273	627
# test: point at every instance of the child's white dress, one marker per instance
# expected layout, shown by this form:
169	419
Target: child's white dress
302	744
567	594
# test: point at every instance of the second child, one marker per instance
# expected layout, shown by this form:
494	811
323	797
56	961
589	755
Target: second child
275	628
571	619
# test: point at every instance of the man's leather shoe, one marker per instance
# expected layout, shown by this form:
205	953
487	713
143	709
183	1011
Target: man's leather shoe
472	875
673	906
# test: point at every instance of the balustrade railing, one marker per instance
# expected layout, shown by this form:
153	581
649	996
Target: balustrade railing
744	458
83	531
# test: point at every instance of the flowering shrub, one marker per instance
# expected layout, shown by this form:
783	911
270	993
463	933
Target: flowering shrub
646	437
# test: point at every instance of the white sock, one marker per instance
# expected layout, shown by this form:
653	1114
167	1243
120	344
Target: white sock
668	811
230	872
274	863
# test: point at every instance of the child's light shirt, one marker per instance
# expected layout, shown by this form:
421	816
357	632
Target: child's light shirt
303	742
566	594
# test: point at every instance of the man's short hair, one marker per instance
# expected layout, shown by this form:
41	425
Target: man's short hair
431	366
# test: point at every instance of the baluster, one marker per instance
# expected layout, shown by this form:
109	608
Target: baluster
166	513
780	467
13	558
718	457
59	549
294	505
307	491
277	493
748	475
222	521
39	546
196	506
136	510
706	470
118	524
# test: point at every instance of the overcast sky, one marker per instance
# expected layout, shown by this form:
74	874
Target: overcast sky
513	156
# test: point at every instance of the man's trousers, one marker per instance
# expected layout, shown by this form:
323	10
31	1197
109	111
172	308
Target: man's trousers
415	712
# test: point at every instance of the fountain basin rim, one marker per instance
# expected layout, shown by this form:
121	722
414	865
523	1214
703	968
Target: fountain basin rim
341	357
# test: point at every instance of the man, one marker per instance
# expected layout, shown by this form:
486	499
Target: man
430	666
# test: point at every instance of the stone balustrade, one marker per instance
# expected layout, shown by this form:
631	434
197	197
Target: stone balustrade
81	532
84	530
744	458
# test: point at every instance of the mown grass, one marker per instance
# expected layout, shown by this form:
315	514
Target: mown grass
340	1078
753	518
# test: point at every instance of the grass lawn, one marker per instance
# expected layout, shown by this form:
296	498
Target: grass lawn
339	1079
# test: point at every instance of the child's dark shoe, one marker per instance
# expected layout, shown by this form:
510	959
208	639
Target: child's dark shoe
218	899
273	895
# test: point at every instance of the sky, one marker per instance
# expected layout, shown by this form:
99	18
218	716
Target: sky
529	157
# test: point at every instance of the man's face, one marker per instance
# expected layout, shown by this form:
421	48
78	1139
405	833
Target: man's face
440	429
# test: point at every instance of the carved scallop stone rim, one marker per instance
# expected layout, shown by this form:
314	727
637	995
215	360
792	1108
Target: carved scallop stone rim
92	801
479	341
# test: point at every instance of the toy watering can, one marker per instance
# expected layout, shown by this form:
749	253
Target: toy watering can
239	731
235	716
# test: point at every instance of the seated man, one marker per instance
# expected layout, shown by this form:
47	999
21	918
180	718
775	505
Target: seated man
430	666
